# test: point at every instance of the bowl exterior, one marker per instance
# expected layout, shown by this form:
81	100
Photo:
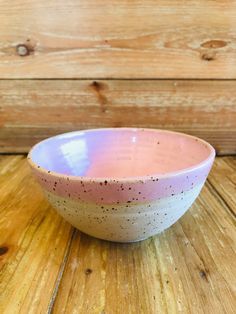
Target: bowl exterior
123	210
116	222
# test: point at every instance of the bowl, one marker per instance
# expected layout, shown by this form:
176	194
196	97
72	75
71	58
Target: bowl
121	184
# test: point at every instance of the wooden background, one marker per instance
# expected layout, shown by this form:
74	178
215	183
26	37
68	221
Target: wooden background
67	65
77	64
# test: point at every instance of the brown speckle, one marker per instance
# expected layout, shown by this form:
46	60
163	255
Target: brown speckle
203	274
208	55
88	271
105	182
3	250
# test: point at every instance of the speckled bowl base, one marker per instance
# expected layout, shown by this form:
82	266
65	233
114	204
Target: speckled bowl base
124	222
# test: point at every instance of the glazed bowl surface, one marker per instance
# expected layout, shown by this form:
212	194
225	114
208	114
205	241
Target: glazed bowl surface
122	184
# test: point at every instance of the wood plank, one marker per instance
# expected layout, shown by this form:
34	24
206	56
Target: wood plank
33	241
31	110
223	180
46	266
118	39
186	269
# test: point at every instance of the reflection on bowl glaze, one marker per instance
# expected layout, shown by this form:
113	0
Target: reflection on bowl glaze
122	184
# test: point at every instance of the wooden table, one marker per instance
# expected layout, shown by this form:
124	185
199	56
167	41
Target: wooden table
48	266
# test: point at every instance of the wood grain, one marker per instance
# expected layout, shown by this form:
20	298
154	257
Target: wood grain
33	241
46	266
227	187
31	110
118	39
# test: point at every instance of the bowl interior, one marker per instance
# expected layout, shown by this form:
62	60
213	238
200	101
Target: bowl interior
117	153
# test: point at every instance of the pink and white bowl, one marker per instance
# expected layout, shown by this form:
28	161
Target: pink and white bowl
122	184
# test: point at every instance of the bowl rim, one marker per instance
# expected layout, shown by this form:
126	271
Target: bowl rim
211	156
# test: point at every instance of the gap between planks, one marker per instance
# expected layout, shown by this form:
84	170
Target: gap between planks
221	199
61	272
117	79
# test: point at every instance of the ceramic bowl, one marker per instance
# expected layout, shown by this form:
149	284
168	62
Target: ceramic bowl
122	184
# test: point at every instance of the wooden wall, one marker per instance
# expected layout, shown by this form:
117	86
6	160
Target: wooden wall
67	65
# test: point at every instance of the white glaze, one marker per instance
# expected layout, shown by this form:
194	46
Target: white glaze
121	223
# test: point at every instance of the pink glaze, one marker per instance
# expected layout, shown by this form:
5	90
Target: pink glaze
123	165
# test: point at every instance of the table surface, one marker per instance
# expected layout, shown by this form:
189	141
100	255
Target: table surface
47	266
